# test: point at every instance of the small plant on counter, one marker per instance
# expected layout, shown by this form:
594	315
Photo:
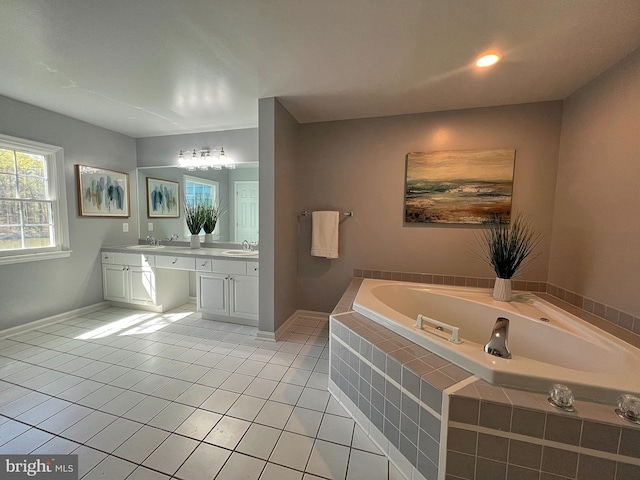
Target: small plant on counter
194	215
212	214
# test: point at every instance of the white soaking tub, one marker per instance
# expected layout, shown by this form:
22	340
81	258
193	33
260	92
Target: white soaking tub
564	349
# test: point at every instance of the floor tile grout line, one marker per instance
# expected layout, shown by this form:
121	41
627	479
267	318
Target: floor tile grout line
147	371
141	393
282	430
144	371
176	376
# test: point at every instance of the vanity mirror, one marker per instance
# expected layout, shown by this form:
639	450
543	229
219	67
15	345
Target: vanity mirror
236	190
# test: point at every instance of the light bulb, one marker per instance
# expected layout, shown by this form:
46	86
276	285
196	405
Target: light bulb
488	60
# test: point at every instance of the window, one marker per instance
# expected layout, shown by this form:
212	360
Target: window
33	205
201	190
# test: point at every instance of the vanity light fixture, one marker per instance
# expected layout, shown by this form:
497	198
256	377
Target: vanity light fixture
488	60
205	159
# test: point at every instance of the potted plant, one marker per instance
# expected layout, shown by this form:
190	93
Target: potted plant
194	215
212	214
507	247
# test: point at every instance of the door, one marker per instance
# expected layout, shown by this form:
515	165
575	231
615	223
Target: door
243	298
213	293
114	282
143	287
246	211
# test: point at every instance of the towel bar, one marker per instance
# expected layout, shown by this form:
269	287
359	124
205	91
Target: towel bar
346	214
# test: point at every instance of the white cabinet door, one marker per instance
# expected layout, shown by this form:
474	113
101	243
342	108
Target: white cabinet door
115	283
243	297
213	293
143	288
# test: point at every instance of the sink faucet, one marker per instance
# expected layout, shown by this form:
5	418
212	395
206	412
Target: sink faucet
173	237
249	246
497	345
152	241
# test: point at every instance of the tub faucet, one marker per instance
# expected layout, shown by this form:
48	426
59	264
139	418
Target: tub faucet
497	345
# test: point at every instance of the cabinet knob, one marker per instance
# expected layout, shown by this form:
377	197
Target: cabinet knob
174	261
203	264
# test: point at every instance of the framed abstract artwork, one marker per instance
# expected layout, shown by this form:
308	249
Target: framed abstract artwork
458	186
102	192
163	198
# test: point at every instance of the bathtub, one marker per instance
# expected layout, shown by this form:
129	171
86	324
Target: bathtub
564	349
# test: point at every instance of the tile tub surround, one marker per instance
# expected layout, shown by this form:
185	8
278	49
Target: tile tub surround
466	428
616	322
501	433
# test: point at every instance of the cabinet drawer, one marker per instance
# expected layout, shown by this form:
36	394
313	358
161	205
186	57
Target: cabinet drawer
134	259
108	257
229	266
203	264
179	263
253	269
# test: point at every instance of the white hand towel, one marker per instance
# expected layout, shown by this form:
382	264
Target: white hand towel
324	234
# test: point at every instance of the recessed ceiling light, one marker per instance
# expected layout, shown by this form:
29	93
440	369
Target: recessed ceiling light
488	60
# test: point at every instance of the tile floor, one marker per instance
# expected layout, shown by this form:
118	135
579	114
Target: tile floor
139	395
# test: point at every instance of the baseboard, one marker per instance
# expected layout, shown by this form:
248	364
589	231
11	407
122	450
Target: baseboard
298	313
268	336
7	332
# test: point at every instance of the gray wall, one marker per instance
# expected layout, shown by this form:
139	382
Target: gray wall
286	210
596	226
241	145
34	290
359	165
266	168
278	207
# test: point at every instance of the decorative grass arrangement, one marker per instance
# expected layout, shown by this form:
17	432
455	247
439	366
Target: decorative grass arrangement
508	247
212	214
195	216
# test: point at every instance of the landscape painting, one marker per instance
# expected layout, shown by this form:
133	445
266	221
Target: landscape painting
459	186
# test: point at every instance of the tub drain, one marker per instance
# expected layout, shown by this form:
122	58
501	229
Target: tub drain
544	319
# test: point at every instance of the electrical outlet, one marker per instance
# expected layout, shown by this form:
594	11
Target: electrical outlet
125	227
150	226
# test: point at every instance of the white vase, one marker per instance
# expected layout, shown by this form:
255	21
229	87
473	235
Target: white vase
502	289
208	238
195	241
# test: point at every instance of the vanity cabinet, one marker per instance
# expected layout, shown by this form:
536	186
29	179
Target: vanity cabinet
131	279
228	291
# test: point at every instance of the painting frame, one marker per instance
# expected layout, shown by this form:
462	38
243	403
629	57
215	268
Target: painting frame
102	192
169	187
458	187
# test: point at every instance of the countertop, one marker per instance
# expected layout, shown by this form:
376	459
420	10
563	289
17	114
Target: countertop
184	252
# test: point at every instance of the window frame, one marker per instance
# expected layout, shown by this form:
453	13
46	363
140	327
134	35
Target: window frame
56	185
202	181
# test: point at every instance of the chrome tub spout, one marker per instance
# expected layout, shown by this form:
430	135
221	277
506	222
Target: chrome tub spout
497	345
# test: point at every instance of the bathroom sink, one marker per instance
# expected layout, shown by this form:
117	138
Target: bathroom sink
145	247
240	253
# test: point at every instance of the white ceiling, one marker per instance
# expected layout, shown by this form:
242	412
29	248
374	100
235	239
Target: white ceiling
158	67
